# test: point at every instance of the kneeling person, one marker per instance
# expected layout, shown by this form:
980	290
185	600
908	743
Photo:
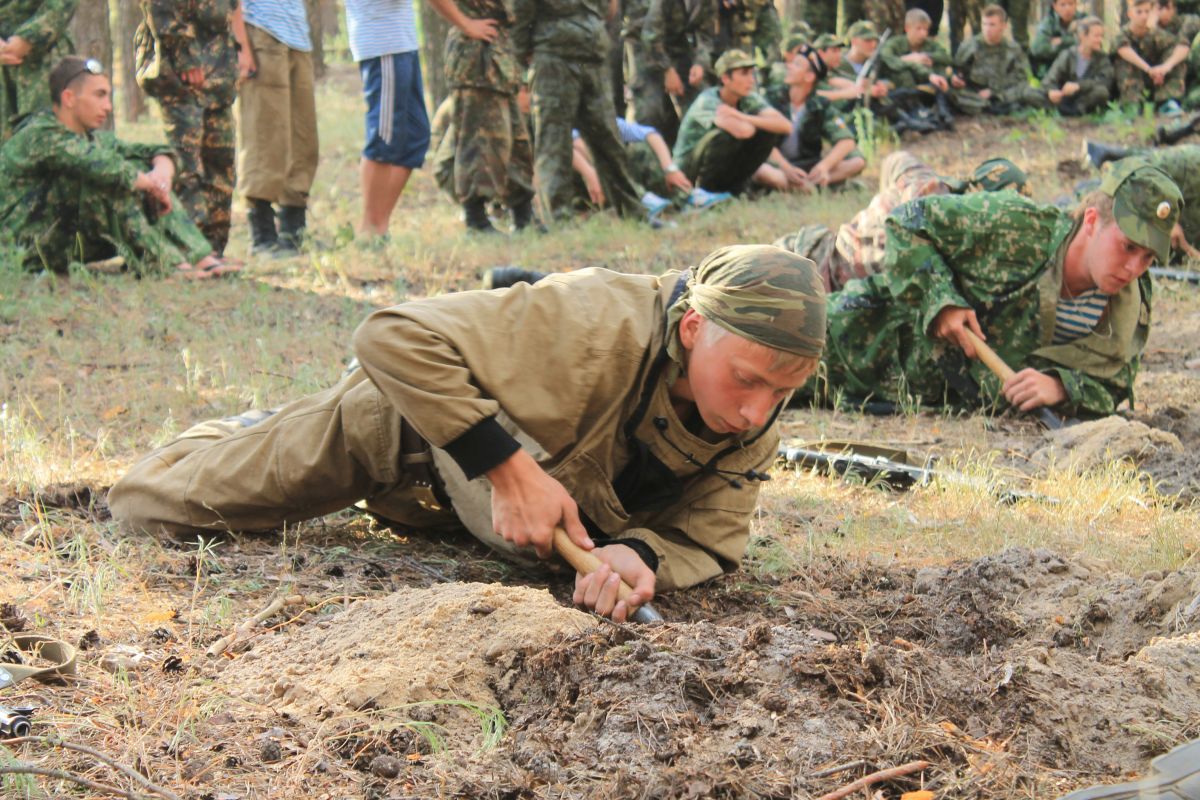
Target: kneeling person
1064	296
70	192
652	459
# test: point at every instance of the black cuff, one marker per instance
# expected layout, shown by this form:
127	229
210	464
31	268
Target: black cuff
645	552
481	448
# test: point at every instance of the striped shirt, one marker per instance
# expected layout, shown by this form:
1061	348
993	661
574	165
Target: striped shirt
380	28
1076	317
286	20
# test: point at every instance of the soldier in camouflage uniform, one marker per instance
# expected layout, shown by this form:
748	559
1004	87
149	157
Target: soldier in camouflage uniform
566	43
887	15
493	158
856	249
1055	33
751	26
1063	298
1079	79
1192	98
71	193
1149	62
914	60
1184	26
992	72
516	449
187	60
32	38
677	41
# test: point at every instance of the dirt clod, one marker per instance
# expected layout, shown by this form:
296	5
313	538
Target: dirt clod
386	767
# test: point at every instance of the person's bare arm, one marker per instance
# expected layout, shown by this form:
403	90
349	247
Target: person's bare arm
1130	55
837	154
671	172
482	29
770	120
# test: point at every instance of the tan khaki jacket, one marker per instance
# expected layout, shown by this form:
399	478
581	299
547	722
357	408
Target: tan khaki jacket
569	359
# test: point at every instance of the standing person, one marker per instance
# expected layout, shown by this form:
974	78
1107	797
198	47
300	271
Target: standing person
187	59
383	40
566	43
33	34
1079	79
1149	62
277	121
673	59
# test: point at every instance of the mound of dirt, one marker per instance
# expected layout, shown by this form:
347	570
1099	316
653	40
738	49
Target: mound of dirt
415	645
1098	442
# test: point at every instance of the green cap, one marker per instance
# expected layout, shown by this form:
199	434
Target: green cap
996	174
863	29
760	292
800	26
1146	203
792	41
827	40
733	59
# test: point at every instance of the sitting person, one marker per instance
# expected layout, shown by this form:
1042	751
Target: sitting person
1149	63
652	168
919	67
1183	26
70	192
728	133
1078	81
831	50
991	72
848	81
856	248
1062	298
1055	34
797	164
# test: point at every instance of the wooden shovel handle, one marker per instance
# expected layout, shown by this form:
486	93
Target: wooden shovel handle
988	356
585	563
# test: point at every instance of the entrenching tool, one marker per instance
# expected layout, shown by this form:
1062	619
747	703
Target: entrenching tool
1003	371
586	563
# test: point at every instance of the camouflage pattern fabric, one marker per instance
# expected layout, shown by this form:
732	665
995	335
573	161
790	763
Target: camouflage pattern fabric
1184	27
1042	50
905	74
1135	86
573	30
1182	164
820	122
761	293
750	25
66	197
24	89
176	37
646	171
1002	68
1001	255
1094	92
669	33
1018	18
1192	99
963	13
492	157
886	14
710	157
1146	203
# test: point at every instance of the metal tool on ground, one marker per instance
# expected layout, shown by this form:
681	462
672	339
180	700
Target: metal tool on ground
14	722
1003	371
1185	275
586	563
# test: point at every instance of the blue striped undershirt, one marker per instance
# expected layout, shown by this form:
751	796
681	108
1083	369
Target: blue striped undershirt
380	28
286	20
1076	317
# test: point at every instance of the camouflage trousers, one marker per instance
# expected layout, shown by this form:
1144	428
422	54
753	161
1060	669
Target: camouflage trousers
1135	86
652	104
486	151
724	163
964	13
968	101
886	14
204	139
574	94
1085	101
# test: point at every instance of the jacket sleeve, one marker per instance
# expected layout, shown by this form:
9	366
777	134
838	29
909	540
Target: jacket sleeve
1059	71
654	35
1041	47
704	26
523	12
48	24
1101	79
917	268
1088	396
96	159
175	33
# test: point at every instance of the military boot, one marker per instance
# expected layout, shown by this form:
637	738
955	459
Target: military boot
264	239
476	217
944	113
1173	134
1098	153
522	217
504	277
292	227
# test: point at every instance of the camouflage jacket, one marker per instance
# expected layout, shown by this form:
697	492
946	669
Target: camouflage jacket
1002	255
1154	46
751	25
1001	67
1182	164
1184	27
1098	75
50	176
475	64
570	29
610	334
23	87
181	35
905	74
676	31
1042	50
820	121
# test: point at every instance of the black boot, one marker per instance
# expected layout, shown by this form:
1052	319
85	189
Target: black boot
913	122
263	237
1168	135
504	277
522	214
292	226
945	114
475	215
1098	153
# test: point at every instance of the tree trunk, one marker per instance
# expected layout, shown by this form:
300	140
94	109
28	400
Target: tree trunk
133	101
90	33
316	25
433	43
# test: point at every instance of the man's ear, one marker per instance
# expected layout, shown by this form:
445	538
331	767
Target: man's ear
689	328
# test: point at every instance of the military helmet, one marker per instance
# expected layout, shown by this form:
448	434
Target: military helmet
1146	203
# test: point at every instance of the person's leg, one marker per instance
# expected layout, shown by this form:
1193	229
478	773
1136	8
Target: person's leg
264	121
726	164
484	146
597	123
1173	86
557	91
382	185
304	145
397	135
218	158
1131	82
651	104
520	167
848	167
184	124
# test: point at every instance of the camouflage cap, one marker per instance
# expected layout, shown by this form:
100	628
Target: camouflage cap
733	59
827	40
800	26
999	173
1146	203
762	293
863	29
792	41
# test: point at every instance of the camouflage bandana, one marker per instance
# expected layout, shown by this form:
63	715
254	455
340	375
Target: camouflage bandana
762	293
1146	203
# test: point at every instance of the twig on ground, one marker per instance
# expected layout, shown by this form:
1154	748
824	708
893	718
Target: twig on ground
876	777
243	631
825	773
101	757
341	598
21	768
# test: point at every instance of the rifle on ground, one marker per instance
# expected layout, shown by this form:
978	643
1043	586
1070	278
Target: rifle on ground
1176	274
